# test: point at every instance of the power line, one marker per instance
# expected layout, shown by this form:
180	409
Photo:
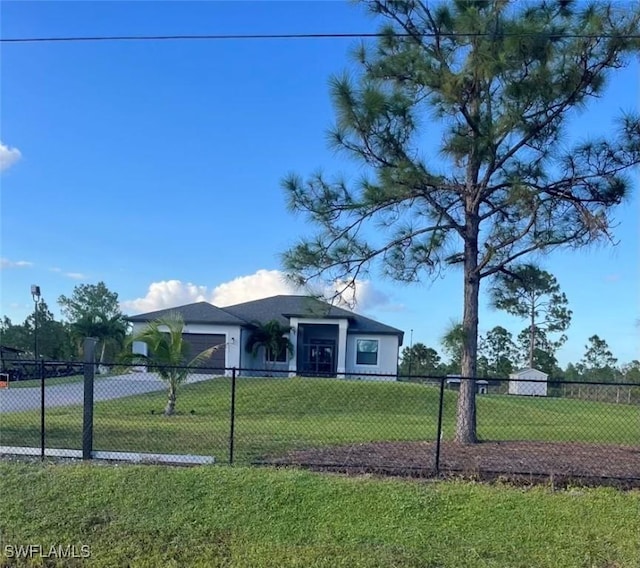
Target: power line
356	35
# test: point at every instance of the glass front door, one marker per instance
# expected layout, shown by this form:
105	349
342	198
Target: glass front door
319	357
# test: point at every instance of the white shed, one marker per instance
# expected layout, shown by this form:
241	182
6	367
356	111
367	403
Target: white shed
453	382
521	382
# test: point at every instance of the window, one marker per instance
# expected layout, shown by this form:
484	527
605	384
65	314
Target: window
366	352
280	357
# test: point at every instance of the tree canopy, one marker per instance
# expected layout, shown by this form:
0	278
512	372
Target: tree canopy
420	360
497	83
528	292
94	311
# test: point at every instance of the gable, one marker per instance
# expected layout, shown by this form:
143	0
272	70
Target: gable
529	374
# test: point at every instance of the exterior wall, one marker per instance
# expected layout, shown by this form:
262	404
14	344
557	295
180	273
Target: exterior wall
387	357
246	360
231	332
520	387
262	369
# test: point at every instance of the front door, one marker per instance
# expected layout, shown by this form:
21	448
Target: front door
319	357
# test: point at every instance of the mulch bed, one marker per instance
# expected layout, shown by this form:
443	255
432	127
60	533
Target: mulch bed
562	463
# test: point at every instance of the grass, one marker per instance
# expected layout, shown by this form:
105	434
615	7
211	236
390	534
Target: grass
274	415
148	516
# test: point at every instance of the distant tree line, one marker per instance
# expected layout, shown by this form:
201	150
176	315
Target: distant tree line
499	356
527	292
92	310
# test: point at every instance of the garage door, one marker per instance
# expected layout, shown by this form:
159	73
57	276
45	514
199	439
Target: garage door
198	342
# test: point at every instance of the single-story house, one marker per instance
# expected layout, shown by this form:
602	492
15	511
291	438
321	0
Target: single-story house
528	382
327	340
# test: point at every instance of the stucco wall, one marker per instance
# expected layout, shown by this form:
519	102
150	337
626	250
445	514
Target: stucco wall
231	332
387	357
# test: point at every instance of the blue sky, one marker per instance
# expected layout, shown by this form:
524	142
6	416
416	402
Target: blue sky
156	166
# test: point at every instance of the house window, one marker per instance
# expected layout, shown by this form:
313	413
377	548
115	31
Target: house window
367	352
279	357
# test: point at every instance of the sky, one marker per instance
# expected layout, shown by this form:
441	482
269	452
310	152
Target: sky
156	167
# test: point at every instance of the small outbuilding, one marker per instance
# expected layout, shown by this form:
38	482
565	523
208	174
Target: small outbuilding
453	383
528	382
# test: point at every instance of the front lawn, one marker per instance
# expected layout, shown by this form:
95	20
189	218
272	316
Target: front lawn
274	415
149	516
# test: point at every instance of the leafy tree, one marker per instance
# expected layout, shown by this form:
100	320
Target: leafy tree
420	360
544	352
528	292
272	336
631	372
89	299
168	354
500	352
15	335
54	338
504	79
573	372
598	362
93	311
453	345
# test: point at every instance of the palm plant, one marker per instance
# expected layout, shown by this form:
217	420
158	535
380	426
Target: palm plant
106	329
167	354
272	336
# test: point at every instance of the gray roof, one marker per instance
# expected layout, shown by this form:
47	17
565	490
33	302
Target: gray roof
200	312
281	308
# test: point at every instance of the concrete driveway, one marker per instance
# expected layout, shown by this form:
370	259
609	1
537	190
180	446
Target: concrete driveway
107	388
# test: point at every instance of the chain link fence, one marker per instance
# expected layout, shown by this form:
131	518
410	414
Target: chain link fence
353	422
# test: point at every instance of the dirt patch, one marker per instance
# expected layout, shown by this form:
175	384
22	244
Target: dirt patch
561	462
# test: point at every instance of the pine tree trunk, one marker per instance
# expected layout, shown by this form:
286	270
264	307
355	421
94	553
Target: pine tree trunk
466	412
532	337
170	409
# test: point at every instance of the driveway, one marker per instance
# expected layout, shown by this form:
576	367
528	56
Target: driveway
108	388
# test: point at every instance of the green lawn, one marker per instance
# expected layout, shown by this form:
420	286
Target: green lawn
273	415
149	516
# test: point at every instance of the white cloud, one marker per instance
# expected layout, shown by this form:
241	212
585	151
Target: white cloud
75	275
8	156
261	284
361	298
6	263
167	294
72	275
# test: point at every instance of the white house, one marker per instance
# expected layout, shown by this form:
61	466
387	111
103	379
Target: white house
528	382
327	340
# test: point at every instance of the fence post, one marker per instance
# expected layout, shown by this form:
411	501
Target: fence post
89	352
439	427
233	414
40	375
